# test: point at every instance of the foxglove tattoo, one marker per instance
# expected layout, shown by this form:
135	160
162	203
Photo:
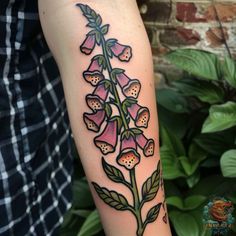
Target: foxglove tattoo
112	87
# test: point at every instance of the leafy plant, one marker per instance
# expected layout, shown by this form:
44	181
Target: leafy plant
200	162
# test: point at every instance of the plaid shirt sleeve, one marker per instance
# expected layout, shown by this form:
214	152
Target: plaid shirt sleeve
35	137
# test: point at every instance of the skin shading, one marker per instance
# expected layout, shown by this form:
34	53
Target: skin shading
116	88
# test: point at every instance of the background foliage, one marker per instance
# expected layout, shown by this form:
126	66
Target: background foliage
197	116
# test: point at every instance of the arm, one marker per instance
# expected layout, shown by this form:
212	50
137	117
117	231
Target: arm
113	116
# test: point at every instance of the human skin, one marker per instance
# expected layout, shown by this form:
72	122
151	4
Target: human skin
65	30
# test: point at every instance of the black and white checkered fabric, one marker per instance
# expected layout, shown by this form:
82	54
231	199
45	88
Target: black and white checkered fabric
35	138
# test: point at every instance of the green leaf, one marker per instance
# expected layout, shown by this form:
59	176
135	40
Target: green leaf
91	25
112	198
186	165
216	143
81	191
98	37
172	100
220	117
113	173
151	185
172	142
189	203
205	91
171	166
136	131
91	33
81	213
126	134
153	214
228	163
229	71
194	201
104	29
199	63
98	20
184	223
92	225
108	110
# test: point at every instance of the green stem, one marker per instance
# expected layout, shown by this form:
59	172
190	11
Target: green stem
115	92
133	185
137	208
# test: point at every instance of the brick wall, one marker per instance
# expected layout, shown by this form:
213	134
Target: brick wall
183	24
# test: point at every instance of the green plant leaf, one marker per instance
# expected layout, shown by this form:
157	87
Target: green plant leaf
151	185
228	163
205	91
186	165
199	63
189	203
112	198
136	131
82	213
172	100
98	20
92	225
171	166
184	223
81	191
112	172
98	37
229	71
220	117
216	143
153	214
104	29
171	141
108	110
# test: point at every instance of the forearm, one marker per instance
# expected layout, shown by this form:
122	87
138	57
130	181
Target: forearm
122	134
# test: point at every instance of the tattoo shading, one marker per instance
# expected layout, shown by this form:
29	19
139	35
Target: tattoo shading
114	88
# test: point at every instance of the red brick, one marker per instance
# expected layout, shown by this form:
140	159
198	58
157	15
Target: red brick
215	37
156	11
179	36
188	12
226	12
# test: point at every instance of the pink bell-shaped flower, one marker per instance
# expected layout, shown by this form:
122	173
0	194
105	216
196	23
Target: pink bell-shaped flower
88	45
107	140
93	121
146	144
123	52
128	157
130	87
139	114
96	100
93	74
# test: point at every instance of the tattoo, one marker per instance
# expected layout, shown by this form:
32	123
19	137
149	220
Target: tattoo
113	88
